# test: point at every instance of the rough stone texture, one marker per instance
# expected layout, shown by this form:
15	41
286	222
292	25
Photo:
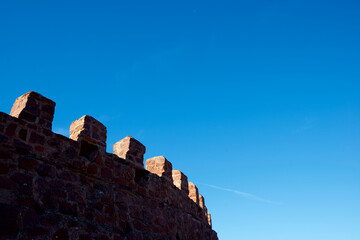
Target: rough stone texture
130	149
180	180
160	166
89	132
34	108
201	201
49	190
193	193
209	218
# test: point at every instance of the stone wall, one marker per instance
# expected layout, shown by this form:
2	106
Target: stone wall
54	187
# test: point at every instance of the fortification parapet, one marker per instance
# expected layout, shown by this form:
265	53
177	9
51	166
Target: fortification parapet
54	187
34	108
180	181
193	193
90	133
201	201
160	166
131	149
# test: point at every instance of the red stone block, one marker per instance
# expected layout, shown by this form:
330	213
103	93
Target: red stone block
27	163
106	173
92	169
160	166
37	138
68	176
6	183
201	201
46	170
9	221
90	133
61	234
4	168
39	148
35	108
193	193
10	130
23	134
130	149
180	180
209	218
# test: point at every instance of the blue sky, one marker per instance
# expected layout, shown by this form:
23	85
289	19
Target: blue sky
257	102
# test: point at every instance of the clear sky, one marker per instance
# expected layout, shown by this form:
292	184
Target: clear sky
257	102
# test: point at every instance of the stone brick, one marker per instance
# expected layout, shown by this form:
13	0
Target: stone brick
193	193
61	234
23	134
46	170
35	108
68	209
30	218
90	133
10	130
209	219
106	173
37	138
4	168
6	183
92	169
201	201
9	218
160	166
180	180
131	149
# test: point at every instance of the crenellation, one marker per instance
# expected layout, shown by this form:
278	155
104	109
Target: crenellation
180	180
58	186
201	201
193	193
90	133
209	218
160	166
130	149
34	108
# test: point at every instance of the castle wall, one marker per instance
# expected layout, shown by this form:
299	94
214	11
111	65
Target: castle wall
54	187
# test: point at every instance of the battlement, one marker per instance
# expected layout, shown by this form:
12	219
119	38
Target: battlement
71	188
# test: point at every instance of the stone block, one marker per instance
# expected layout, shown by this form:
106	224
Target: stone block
90	133
180	180
193	193
34	108
160	166
131	149
201	201
209	218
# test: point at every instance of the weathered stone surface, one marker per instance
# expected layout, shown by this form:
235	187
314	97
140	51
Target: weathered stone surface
209	218
201	201
53	187
180	180
160	166
131	149
34	108
193	193
90	133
